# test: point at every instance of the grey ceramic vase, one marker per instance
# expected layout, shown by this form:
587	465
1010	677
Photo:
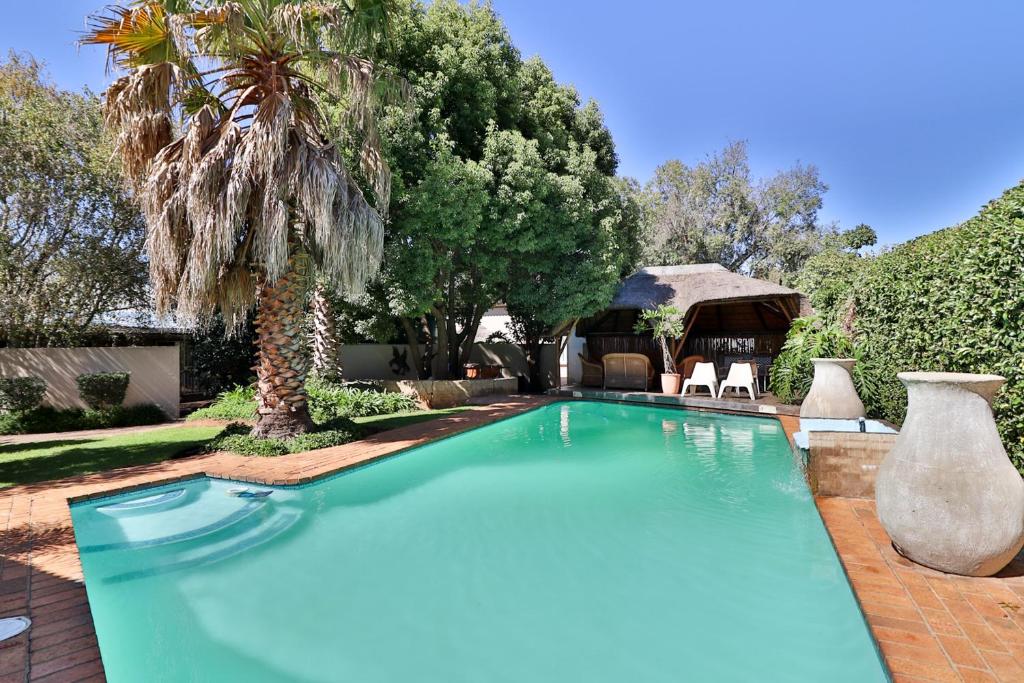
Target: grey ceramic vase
832	393
947	494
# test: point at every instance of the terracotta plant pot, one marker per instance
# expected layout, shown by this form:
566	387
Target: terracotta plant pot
832	393
671	382
471	370
947	494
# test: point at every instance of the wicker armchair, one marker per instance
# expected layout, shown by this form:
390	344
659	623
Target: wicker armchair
593	373
627	371
685	366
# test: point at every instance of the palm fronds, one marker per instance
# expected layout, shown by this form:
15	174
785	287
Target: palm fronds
221	126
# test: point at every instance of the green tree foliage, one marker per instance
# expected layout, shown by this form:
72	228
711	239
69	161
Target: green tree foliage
829	276
717	212
504	189
71	241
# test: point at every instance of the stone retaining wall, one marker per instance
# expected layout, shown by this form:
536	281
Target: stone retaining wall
433	394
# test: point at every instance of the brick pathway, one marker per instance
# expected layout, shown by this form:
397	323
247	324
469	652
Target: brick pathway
931	626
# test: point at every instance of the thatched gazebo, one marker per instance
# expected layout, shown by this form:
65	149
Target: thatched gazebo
727	315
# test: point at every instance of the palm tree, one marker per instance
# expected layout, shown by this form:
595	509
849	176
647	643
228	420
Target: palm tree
225	122
324	337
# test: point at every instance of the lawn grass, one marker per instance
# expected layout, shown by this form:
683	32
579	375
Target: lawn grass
380	423
29	463
44	461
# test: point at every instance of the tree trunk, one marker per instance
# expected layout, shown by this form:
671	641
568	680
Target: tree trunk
281	361
666	356
326	363
421	359
533	350
443	348
468	339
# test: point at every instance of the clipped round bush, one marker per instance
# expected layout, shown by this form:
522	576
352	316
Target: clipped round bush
103	390
19	394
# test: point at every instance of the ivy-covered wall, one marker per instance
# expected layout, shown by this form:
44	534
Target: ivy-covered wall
951	301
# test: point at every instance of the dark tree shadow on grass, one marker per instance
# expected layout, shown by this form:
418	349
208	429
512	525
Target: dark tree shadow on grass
39	445
89	457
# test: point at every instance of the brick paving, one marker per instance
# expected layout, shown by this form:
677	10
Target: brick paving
930	626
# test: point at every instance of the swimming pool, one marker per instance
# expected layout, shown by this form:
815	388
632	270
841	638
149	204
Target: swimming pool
578	542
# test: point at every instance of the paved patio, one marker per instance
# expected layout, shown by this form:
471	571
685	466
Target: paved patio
930	626
765	404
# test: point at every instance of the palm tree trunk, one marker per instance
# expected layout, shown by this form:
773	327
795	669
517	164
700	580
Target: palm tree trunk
281	364
326	363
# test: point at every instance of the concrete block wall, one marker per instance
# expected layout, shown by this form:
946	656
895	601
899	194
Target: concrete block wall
155	372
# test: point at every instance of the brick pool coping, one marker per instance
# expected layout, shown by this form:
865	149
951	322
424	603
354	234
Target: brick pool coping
930	626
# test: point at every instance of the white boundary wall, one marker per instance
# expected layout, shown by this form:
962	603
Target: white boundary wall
372	361
155	372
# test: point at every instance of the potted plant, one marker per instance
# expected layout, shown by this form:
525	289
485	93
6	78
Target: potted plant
665	322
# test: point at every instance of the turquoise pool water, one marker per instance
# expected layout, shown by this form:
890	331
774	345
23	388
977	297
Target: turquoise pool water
578	542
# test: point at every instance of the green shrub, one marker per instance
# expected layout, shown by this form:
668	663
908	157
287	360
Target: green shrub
103	390
328	400
949	301
18	394
46	419
236	439
818	337
238	403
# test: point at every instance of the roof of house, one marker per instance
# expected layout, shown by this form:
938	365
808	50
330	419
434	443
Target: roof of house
687	286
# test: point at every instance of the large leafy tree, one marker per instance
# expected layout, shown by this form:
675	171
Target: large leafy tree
226	133
829	276
504	188
71	239
717	212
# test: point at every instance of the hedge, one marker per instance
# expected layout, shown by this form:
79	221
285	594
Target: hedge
950	301
46	419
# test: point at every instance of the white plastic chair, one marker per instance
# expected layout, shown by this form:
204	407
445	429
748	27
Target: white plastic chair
704	375
741	376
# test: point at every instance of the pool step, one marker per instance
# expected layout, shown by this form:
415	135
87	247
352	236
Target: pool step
235	517
244	537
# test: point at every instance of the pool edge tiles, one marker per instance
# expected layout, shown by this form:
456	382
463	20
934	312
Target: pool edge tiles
670	425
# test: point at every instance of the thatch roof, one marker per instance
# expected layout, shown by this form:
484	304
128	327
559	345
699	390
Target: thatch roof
687	286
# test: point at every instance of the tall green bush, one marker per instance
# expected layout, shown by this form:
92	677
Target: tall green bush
952	301
949	301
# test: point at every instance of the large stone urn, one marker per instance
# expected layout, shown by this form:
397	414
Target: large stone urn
832	393
947	494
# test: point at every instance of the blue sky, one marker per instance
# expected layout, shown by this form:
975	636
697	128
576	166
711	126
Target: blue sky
913	110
